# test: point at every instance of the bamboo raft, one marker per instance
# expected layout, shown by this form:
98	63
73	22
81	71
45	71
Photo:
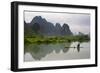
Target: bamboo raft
73	47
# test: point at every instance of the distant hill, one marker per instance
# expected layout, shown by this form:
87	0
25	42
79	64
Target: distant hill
41	26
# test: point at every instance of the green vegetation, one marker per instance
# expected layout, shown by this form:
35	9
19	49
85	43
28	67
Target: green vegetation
55	39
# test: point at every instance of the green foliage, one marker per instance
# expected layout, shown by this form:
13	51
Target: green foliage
26	41
55	39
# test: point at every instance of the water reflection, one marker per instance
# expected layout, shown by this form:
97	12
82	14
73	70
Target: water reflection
39	51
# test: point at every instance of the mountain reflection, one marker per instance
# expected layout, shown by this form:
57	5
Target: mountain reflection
38	51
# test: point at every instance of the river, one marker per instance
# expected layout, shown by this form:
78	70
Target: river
58	51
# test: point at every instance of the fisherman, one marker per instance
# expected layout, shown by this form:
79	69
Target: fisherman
78	47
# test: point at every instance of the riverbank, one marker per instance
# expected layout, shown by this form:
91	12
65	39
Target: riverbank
55	39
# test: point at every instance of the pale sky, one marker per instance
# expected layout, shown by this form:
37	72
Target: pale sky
77	22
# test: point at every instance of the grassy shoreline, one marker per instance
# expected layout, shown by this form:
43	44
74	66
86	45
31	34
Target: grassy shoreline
55	39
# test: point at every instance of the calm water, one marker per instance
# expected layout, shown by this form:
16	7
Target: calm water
59	51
